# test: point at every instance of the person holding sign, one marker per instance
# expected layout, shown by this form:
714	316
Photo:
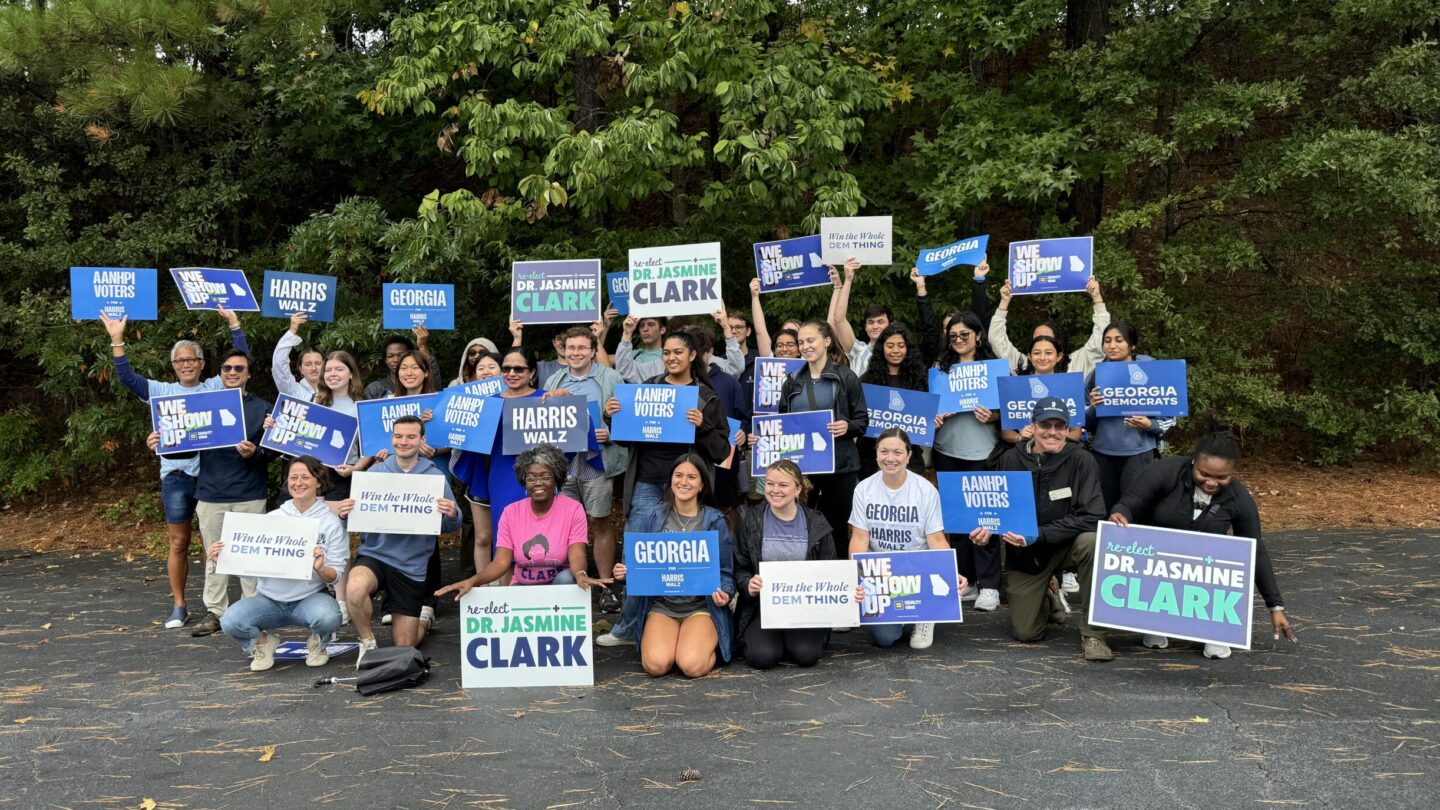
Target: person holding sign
490	480
542	539
687	632
1122	445
312	363
963	443
393	350
304	603
1046	356
898	364
780	529
877	317
477	352
177	472
486	366
1200	493
397	563
897	510
764	347
637	365
827	384
232	479
1081	361
1068	505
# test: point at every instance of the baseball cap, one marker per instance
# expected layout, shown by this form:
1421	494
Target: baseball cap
1050	408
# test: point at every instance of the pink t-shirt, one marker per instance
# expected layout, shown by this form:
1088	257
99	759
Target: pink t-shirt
541	545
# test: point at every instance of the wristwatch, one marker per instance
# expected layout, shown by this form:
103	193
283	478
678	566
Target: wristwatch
1278	609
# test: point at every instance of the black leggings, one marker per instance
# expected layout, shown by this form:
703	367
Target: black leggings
834	494
1117	473
764	649
978	564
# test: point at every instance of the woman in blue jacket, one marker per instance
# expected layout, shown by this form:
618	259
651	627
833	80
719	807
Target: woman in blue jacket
1122	445
688	632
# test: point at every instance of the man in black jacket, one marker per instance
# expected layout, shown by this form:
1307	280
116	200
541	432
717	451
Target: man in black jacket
1068	505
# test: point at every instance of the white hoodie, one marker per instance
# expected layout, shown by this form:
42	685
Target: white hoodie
333	538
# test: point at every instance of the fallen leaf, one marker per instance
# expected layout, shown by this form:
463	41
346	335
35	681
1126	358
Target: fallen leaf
23	720
269	753
519	713
148	804
45	626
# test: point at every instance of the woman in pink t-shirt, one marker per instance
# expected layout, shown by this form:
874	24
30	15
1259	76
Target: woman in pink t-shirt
541	539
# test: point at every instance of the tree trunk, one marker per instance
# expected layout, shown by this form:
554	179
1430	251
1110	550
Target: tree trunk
1086	22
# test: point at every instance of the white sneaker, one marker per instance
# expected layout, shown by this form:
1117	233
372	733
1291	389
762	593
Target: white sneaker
427	617
923	636
315	655
1068	583
264	655
969	594
366	645
1155	642
1217	651
386	618
989	599
612	640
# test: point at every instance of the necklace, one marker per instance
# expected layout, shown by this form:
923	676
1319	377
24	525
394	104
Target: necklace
687	524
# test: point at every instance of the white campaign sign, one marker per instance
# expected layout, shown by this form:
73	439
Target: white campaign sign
276	546
675	280
395	503
814	593
526	635
869	239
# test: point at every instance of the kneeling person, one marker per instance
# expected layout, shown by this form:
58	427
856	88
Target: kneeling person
305	603
396	562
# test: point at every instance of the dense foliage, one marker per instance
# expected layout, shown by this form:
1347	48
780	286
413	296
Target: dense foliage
1261	177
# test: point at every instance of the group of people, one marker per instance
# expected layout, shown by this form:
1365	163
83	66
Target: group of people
545	517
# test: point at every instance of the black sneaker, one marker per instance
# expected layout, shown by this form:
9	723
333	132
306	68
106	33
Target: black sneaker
206	626
609	602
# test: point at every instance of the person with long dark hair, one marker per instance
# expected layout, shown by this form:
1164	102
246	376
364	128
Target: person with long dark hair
1046	356
1122	445
1081	360
897	363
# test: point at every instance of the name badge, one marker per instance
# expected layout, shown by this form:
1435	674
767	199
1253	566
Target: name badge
1060	494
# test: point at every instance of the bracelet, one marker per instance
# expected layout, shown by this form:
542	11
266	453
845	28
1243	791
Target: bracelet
120	345
1278	609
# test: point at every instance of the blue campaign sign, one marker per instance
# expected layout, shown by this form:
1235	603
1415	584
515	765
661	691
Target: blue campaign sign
289	293
119	292
999	501
1179	584
465	420
803	438
1145	388
911	411
211	287
560	291
563	422
1051	265
1018	396
790	264
377	419
483	388
654	413
619	284
902	587
770	376
407	306
202	421
971	251
592	412
967	386
304	428
672	563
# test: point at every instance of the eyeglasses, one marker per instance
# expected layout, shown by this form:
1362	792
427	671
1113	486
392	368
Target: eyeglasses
514	369
229	369
475	352
185	361
539	479
961	337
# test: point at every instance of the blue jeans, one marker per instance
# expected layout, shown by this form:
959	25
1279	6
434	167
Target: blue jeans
253	615
177	494
563	578
630	617
643	496
881	635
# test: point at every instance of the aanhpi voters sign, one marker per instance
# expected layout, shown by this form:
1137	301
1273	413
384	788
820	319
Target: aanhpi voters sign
377	419
999	501
1018	396
672	563
289	293
202	421
802	437
305	428
967	386
212	287
868	239
465	420
526	635
395	503
911	411
808	594
675	280
561	291
119	292
654	413
1145	388
933	261
1051	265
406	306
278	546
1179	584
902	587
790	264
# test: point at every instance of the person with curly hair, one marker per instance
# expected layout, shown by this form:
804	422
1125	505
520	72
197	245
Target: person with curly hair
898	362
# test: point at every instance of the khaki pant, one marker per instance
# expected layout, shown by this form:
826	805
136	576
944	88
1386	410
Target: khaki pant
1029	600
212	523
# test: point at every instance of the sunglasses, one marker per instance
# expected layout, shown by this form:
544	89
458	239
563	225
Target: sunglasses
514	369
958	337
229	369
